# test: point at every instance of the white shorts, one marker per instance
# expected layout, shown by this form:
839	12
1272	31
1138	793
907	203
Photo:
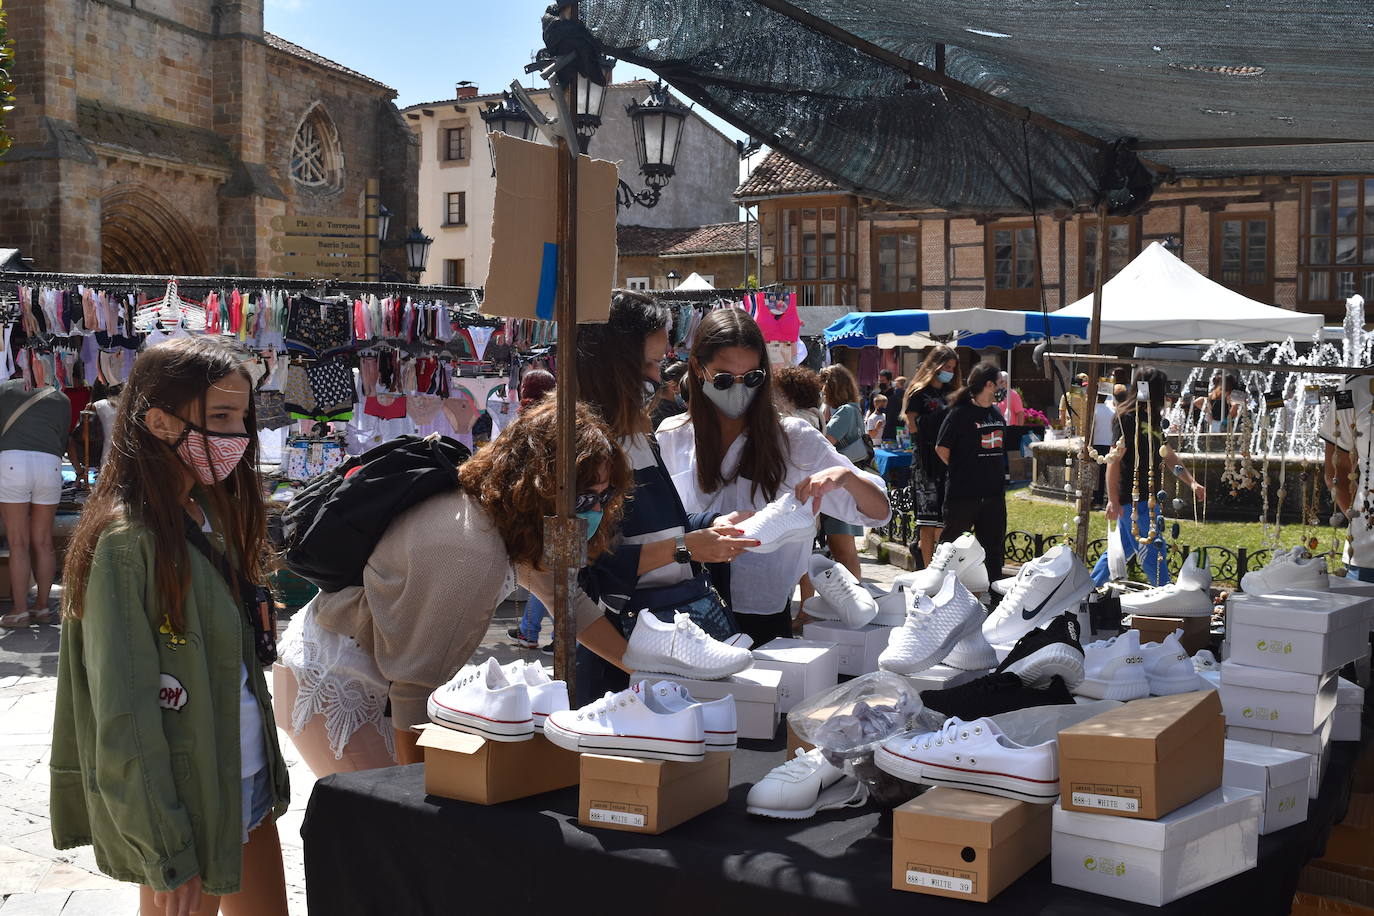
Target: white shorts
30	477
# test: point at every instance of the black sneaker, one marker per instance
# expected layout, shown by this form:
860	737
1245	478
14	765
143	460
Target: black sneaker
993	694
547	650
520	640
1041	654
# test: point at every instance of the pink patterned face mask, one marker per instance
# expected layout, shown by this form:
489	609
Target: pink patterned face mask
211	456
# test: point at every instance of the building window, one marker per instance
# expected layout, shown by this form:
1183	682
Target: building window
455	272
1011	275
637	283
819	254
1121	245
896	269
455	143
456	208
316	156
1336	234
1243	253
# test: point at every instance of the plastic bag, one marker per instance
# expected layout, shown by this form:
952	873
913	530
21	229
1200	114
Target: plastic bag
1116	551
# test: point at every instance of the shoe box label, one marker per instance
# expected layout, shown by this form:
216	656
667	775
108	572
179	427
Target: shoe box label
944	879
608	812
1108	798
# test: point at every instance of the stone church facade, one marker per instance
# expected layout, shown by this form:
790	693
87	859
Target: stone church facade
163	136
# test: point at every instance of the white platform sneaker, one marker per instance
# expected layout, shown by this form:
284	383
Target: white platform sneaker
1168	668
783	521
1046	587
1295	568
621	723
682	648
1189	596
719	719
842	592
964	555
975	756
803	786
482	700
933	628
1114	669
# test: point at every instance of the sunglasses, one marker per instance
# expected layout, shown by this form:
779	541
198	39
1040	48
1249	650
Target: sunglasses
752	379
588	502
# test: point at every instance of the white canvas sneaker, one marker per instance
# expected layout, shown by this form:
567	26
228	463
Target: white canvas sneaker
1295	568
1189	596
718	718
620	723
932	629
964	556
546	694
1114	669
682	648
1046	587
480	699
842	591
783	521
975	756
803	786
1168	668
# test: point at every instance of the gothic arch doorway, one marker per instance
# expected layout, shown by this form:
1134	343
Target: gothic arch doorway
139	234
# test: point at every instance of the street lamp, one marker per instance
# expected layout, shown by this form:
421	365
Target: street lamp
383	222
591	97
673	277
507	117
417	252
657	123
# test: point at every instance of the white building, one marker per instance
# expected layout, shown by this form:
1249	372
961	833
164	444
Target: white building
457	188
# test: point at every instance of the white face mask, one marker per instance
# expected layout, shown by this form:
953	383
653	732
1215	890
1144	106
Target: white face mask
733	401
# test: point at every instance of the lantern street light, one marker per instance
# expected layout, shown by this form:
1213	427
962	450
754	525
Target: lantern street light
591	97
657	123
383	222
673	277
417	252
507	117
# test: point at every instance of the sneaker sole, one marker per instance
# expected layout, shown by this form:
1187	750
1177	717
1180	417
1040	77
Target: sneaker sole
791	537
694	674
1036	669
1114	689
972	653
1166	611
477	725
988	782
1179	683
721	741
934	657
626	745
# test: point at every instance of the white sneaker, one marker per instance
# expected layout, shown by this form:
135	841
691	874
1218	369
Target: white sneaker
1295	568
976	756
1168	668
1115	669
1002	586
1204	660
620	723
480	699
842	591
783	521
1046	587
718	718
972	653
546	694
1187	597
932	629
893	605
682	648
964	556
802	786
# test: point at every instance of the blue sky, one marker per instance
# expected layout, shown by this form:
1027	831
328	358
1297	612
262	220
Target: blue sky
422	48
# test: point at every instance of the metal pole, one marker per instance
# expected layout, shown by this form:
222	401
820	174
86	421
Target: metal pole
371	244
1083	501
1217	364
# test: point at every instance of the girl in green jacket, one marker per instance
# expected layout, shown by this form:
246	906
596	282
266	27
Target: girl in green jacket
165	754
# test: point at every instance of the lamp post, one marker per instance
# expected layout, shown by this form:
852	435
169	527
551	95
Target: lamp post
507	117
383	222
657	123
417	253
590	99
673	277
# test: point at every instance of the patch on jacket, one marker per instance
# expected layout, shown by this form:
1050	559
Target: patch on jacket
170	693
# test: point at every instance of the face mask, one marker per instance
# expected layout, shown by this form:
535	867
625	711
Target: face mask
211	456
650	389
1001	395
733	401
593	519
944	376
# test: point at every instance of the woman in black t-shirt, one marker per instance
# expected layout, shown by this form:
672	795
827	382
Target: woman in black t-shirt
925	404
971	445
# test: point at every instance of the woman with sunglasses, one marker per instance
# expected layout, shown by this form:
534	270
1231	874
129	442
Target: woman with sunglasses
732	451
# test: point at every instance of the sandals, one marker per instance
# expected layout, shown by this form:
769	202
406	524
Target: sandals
19	620
50	614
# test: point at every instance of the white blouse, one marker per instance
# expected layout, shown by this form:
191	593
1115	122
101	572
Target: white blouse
762	583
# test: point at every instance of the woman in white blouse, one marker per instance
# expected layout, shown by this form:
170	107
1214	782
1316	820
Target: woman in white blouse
732	451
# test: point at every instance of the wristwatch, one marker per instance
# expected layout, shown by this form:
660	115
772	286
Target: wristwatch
682	554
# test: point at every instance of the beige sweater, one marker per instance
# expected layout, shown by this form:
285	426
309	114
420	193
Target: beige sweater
428	595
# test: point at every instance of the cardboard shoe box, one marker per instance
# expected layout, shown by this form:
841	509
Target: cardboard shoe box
1345	721
1316	745
808	667
1305	632
858	649
1279	775
1278	701
966	845
1143	759
1197	631
469	768
649	796
1154	862
755	691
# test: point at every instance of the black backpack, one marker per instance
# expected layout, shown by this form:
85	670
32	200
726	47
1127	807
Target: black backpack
331	527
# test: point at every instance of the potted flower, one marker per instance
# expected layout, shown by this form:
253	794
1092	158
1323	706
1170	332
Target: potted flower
1035	419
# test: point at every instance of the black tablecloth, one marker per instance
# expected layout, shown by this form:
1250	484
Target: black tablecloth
376	844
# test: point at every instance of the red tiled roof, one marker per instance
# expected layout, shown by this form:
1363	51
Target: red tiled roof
777	175
281	44
718	238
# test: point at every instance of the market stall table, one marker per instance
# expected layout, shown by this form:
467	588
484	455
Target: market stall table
893	466
375	843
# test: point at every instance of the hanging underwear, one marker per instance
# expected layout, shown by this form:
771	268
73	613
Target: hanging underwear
318	329
479	336
385	407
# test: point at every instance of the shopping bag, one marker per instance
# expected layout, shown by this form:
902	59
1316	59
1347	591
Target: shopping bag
1116	551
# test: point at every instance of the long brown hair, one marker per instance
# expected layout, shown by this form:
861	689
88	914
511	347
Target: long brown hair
925	373
515	478
840	387
764	451
137	483
610	361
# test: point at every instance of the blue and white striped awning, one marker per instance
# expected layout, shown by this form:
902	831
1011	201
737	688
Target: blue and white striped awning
977	328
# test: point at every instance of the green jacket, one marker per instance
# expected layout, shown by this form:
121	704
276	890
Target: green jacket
145	753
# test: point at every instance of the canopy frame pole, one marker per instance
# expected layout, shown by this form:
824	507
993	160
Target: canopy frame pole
1215	364
1082	491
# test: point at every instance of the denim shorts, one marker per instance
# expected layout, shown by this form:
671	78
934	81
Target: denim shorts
257	800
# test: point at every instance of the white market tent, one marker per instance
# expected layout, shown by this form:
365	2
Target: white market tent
1158	298
694	281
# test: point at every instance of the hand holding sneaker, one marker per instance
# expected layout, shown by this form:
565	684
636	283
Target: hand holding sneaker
682	648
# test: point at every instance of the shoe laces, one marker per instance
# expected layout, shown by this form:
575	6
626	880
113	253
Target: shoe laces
688	626
943	555
801	765
953	730
1012	600
608	703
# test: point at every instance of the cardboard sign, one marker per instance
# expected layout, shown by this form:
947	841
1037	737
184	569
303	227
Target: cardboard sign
522	278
